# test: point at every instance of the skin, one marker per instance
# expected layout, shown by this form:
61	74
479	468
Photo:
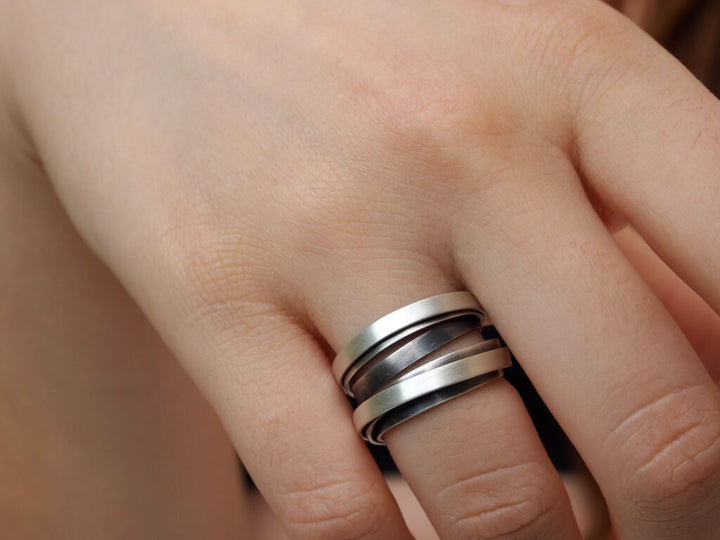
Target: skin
243	187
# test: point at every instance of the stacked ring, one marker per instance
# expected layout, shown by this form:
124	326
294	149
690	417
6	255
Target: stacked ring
415	358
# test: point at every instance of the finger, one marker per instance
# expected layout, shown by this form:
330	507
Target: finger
417	520
475	463
695	318
648	141
479	469
290	424
600	348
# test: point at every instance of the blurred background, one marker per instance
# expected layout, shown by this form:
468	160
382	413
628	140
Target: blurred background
690	29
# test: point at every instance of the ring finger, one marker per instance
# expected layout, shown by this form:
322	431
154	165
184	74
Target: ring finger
475	462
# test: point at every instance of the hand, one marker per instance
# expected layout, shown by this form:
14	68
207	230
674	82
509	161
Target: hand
266	178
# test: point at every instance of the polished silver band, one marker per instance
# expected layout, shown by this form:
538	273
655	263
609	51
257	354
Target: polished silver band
478	369
399	320
392	342
416	358
382	370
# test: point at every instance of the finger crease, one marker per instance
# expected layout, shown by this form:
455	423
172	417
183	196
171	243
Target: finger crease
477	476
654	403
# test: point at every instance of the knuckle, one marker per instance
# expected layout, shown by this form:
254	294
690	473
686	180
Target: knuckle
430	116
333	213
674	442
346	508
430	112
583	48
573	35
339	223
217	269
518	501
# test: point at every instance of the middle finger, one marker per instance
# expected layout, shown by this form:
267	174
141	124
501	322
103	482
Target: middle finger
475	462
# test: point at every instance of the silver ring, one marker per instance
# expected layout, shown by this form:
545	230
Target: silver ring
383	370
465	352
399	320
393	340
375	431
415	358
417	386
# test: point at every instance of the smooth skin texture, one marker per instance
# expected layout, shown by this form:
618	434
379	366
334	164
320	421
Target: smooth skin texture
266	178
102	434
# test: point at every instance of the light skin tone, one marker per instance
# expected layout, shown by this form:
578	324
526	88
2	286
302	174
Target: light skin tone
264	179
